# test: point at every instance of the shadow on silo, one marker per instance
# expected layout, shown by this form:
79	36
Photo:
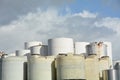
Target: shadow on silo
25	71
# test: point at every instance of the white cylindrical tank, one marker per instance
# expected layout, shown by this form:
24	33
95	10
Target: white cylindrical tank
35	50
92	48
92	67
97	48
14	68
30	44
109	49
102	49
104	63
44	50
60	45
22	52
41	68
11	54
80	47
70	67
40	50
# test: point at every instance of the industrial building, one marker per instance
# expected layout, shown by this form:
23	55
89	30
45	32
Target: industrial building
61	59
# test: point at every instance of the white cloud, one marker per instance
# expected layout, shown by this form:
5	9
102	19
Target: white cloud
86	14
112	23
42	25
11	9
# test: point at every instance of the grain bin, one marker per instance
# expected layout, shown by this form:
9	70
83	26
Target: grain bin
70	67
80	47
41	68
22	52
60	45
110	74
14	68
92	67
32	43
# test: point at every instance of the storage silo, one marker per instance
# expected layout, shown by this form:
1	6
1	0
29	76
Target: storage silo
70	67
32	43
92	48
44	50
92	67
104	64
40	50
35	49
117	67
41	68
109	50
80	47
11	54
22	52
97	48
14	68
60	45
110	74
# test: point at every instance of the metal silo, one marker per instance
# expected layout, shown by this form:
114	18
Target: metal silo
14	68
104	64
92	67
44	50
70	67
97	48
11	54
109	50
60	45
33	43
117	67
40	50
22	52
110	74
92	48
41	68
35	49
80	47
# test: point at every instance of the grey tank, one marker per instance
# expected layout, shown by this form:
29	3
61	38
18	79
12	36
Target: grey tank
110	74
117	67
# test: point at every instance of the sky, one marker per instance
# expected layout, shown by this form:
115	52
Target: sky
40	20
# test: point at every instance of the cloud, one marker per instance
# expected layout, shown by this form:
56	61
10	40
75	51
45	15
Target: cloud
11	9
111	23
86	14
42	25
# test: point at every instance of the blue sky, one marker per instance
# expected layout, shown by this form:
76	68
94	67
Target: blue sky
82	20
103	7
